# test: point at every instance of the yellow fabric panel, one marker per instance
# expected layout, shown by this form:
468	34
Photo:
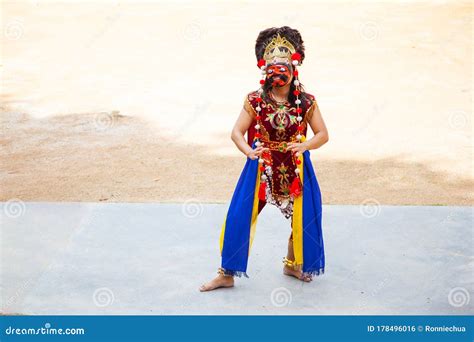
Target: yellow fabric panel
297	227
254	216
221	240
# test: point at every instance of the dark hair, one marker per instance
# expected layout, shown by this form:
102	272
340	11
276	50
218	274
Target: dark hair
265	36
294	37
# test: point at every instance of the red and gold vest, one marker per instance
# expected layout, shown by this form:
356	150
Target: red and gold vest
279	127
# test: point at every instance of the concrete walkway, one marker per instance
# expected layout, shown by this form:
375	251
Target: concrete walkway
136	258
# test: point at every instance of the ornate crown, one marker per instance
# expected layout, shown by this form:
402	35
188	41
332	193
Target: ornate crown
274	49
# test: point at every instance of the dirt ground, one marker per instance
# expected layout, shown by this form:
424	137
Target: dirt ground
115	158
130	101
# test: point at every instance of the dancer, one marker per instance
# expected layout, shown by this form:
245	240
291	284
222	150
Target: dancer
278	168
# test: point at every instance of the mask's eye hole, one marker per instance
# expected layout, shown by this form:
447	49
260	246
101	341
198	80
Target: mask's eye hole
282	69
270	71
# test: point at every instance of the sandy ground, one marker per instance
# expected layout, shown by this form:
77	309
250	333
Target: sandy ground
91	110
109	157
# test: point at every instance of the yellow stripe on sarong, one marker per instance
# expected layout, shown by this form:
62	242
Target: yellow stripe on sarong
221	239
297	227
254	216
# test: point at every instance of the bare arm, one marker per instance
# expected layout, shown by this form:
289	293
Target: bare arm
241	126
321	135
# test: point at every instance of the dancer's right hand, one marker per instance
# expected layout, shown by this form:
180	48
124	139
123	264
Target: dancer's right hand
257	152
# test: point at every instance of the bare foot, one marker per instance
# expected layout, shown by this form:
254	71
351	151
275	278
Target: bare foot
290	271
219	281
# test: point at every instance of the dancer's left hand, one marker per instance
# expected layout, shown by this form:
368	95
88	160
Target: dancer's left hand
297	147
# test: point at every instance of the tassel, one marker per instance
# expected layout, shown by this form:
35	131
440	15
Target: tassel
261	191
295	188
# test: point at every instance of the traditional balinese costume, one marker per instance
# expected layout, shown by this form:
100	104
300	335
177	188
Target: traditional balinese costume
279	176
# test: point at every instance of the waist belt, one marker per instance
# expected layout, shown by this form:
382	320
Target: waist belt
280	146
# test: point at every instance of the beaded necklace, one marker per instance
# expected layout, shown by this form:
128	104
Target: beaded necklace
262	64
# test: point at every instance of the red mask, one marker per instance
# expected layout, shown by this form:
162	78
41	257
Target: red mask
279	74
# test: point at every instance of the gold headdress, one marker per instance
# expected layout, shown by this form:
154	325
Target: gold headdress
278	47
